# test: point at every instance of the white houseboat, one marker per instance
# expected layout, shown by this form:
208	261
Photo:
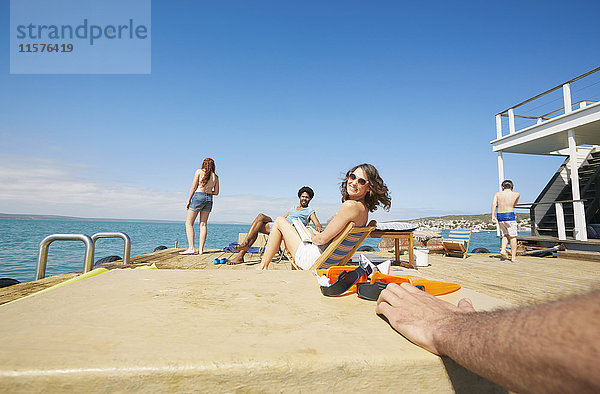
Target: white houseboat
567	210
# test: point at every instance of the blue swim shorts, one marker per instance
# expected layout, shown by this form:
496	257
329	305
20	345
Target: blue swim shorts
506	216
201	202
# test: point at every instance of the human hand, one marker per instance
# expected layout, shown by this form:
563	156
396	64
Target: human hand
312	231
418	315
188	205
494	220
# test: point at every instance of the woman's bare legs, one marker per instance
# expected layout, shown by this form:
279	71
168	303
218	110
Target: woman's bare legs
189	230
281	230
203	220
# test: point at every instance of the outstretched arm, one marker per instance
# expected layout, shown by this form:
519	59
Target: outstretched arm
316	222
547	348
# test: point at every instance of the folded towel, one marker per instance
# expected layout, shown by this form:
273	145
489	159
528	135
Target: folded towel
231	248
396	226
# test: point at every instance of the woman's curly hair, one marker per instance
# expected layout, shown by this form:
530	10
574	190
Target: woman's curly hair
208	165
378	193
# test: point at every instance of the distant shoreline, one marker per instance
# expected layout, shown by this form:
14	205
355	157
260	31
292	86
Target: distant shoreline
21	216
478	222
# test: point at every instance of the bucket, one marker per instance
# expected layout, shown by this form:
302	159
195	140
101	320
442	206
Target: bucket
421	257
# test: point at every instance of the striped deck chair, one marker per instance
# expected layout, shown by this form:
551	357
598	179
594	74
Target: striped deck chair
342	247
457	242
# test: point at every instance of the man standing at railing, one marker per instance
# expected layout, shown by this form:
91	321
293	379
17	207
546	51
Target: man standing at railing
503	214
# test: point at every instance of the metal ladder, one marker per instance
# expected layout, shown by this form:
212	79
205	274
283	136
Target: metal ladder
90	246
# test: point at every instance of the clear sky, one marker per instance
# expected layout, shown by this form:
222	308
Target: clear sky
283	94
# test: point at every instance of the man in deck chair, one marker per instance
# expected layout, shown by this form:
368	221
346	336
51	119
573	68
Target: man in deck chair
504	203
262	223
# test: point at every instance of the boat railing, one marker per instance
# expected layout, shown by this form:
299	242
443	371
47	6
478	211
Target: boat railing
88	259
560	215
567	107
90	247
126	239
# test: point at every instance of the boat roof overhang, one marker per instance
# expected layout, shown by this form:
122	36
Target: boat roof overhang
551	136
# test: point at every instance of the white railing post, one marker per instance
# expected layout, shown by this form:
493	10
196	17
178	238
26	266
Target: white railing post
511	121
567	98
580	231
500	171
560	221
500	180
498	126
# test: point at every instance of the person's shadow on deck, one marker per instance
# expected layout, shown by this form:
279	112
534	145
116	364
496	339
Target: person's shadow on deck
465	381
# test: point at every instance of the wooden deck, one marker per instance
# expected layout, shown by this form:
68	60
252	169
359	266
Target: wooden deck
571	244
532	280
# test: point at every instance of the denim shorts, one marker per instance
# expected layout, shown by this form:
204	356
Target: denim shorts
201	202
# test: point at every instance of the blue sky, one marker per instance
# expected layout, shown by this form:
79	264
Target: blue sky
290	93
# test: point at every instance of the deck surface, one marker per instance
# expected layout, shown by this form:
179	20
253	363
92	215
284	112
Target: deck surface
533	279
214	330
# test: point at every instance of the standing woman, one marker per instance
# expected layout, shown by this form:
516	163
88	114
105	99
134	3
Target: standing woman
200	200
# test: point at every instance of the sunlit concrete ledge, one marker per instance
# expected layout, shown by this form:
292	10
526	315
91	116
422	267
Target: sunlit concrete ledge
201	330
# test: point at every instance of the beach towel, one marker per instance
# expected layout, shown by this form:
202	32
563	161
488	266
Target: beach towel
231	248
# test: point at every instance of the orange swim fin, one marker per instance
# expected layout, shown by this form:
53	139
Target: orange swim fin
433	287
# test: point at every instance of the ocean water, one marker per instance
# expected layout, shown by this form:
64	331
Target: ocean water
20	240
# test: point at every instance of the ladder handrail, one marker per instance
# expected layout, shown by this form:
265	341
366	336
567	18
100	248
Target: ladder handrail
125	237
88	259
530	204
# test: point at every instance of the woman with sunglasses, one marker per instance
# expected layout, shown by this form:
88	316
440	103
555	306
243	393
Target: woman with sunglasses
363	191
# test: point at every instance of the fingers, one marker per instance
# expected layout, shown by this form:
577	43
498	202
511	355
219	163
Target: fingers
407	297
465	305
392	295
410	288
383	308
416	292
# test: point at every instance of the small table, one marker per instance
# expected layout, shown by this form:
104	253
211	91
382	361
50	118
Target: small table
397	236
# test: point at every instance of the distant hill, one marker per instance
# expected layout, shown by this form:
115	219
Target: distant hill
476	222
482	217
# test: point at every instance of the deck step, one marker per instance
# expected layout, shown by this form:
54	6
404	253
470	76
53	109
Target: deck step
579	255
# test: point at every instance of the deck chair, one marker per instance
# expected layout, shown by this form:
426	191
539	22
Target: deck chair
457	242
342	247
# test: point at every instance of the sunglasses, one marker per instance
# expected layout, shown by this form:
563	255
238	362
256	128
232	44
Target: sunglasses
361	181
